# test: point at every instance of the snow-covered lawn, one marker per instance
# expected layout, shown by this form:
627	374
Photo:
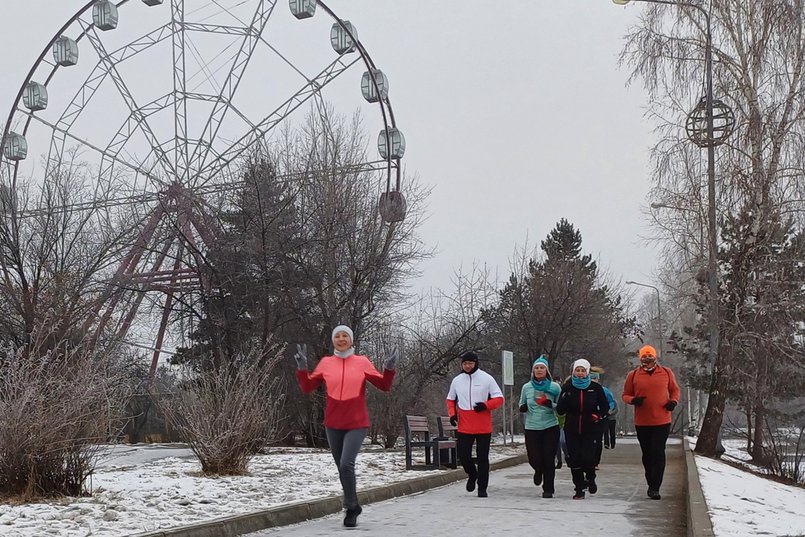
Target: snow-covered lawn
743	504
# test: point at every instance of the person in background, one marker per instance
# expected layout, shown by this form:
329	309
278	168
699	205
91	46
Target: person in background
653	391
561	449
472	396
595	376
584	404
538	397
346	419
610	428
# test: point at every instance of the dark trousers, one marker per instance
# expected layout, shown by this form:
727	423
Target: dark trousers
581	449
345	445
541	449
609	433
652	440
464	443
599	440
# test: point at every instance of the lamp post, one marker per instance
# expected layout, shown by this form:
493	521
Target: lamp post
659	312
710	137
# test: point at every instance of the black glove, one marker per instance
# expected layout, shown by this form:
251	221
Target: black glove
637	401
523	408
479	407
454	420
670	406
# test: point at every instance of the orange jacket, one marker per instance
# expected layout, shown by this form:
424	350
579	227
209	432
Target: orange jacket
465	391
345	381
658	387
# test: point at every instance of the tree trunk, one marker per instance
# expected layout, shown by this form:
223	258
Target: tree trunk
758	454
709	441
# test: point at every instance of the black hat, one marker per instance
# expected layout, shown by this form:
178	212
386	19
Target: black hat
469	356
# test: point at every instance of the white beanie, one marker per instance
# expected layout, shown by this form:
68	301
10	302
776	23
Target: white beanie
343	328
581	362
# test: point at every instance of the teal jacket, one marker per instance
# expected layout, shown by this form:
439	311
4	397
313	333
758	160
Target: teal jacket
539	417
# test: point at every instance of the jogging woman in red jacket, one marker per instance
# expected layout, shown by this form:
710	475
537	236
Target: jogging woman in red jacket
346	419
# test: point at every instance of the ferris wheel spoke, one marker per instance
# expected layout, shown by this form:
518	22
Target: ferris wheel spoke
60	136
145	42
261	16
306	92
216	29
128	98
181	151
89	87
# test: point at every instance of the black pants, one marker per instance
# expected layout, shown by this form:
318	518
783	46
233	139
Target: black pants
609	433
599	440
581	448
541	449
464	443
652	440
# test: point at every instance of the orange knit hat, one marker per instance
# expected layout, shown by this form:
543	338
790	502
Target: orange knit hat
647	351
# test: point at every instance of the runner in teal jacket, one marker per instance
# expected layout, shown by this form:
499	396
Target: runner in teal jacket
537	400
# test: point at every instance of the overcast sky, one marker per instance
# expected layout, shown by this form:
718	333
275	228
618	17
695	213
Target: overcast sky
515	112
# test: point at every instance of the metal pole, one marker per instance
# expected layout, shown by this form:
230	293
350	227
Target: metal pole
659	313
712	251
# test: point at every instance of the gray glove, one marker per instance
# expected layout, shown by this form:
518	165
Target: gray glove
390	362
301	356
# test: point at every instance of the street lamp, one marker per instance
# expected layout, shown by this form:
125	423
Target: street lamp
659	311
710	140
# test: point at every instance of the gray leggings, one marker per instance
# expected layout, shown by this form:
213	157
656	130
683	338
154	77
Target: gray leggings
345	445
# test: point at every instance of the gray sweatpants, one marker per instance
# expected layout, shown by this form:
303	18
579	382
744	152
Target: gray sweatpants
345	445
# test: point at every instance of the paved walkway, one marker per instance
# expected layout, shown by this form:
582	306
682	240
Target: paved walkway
620	508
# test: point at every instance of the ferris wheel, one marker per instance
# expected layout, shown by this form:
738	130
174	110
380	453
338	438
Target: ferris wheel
164	100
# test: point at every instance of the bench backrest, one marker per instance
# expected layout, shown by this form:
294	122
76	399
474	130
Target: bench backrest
416	427
446	429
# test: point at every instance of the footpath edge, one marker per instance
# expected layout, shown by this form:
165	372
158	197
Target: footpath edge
699	523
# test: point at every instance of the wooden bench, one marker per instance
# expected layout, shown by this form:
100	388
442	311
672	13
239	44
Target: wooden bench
417	435
446	429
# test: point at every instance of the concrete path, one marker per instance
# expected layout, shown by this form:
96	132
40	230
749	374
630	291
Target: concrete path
620	508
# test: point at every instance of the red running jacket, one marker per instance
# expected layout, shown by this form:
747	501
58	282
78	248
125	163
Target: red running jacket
465	391
345	382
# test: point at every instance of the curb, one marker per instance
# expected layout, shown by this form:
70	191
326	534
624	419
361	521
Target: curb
699	523
299	512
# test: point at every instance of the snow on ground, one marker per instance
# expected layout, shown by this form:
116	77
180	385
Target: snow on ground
145	488
743	504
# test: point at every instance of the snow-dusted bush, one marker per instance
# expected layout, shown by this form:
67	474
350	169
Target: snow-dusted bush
228	412
57	403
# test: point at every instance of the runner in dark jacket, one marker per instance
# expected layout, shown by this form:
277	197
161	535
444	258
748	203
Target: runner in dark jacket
584	405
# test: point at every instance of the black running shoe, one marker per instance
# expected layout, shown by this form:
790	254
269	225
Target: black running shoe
351	518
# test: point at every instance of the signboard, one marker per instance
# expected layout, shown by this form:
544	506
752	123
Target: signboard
508	368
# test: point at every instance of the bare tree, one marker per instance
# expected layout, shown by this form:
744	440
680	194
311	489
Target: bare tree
439	327
759	63
303	249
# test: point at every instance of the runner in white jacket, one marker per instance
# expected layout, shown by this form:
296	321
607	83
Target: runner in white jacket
472	397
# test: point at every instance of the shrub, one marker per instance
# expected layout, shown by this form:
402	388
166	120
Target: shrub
56	406
229	412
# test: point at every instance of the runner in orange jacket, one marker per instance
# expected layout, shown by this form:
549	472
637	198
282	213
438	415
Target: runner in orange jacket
654	392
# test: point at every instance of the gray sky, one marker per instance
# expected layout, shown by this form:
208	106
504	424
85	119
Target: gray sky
515	112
